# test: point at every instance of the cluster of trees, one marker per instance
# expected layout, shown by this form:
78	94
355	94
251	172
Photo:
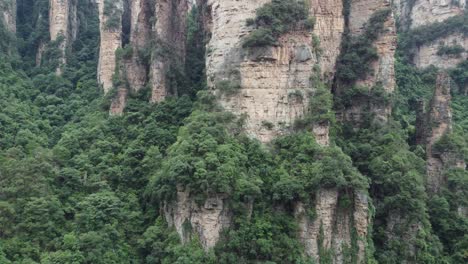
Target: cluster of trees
276	18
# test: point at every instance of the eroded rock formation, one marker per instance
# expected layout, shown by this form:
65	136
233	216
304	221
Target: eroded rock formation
438	124
425	12
429	54
110	15
382	71
170	36
206	220
8	14
329	230
63	24
329	28
271	84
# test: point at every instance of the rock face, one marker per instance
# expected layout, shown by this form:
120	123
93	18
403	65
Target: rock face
331	228
207	220
110	15
425	12
382	69
427	54
63	23
272	84
170	35
141	12
438	124
329	28
8	14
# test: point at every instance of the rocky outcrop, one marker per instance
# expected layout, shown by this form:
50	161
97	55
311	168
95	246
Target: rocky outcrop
119	102
425	12
136	72
383	69
110	15
330	228
63	24
270	85
170	36
206	220
432	54
8	14
438	124
329	28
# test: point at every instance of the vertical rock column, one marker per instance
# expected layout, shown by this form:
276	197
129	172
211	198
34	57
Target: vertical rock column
438	124
141	13
110	16
383	69
133	71
329	28
170	36
331	229
62	24
8	14
273	82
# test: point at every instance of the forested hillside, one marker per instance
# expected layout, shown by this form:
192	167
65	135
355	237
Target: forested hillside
233	131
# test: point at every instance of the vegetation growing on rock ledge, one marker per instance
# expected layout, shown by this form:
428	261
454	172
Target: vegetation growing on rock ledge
277	18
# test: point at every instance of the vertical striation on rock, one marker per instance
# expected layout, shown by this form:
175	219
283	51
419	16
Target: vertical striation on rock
273	82
170	36
8	14
331	228
383	69
141	12
438	124
207	220
110	16
62	24
329	28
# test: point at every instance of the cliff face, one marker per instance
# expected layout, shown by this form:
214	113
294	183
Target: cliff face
425	12
382	70
170	36
329	28
63	23
438	124
8	13
331	229
273	82
111	39
428	54
207	220
141	12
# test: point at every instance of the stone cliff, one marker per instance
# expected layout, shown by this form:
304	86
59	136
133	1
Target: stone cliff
170	35
152	37
206	220
439	124
382	70
424	13
272	83
8	14
110	16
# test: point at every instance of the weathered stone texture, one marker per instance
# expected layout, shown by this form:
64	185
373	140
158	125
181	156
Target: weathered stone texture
111	40
8	13
425	12
335	223
426	55
207	220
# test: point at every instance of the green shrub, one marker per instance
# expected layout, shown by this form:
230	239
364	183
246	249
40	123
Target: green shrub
454	50
276	18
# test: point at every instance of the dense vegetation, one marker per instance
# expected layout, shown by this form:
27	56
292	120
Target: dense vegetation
80	186
276	18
